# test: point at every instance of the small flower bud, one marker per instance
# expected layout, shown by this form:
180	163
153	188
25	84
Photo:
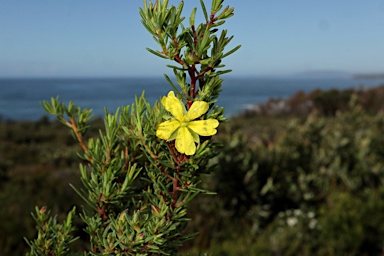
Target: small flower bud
43	209
156	211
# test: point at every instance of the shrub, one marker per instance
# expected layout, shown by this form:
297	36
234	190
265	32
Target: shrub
144	168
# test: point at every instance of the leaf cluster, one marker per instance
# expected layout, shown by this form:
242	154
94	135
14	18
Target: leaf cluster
329	170
197	49
52	238
137	186
136	192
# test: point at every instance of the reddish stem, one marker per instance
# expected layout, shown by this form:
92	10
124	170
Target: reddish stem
79	137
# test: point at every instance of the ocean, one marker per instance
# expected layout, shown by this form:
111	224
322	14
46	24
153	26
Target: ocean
20	98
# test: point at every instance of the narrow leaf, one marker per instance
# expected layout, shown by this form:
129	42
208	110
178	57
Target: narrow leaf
204	10
171	83
192	18
157	53
231	51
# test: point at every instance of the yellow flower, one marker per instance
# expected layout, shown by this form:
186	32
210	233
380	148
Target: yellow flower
182	127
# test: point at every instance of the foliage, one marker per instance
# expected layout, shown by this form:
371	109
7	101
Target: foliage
52	238
39	162
137	179
228	223
313	188
305	185
326	102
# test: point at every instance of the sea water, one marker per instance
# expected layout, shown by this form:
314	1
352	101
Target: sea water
20	98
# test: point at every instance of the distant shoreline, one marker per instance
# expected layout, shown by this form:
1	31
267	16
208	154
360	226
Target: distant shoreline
369	76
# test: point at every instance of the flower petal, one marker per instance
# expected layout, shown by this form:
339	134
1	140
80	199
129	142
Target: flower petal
197	109
184	142
204	127
165	129
196	137
174	105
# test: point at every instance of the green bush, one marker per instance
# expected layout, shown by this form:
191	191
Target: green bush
144	167
307	186
327	170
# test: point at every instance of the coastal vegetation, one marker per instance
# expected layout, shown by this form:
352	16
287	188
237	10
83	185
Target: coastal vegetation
145	166
293	183
302	176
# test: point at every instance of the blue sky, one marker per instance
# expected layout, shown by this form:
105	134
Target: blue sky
88	38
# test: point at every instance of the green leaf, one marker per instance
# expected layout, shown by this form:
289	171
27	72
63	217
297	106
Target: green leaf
177	68
231	51
267	187
157	53
204	11
172	84
192	17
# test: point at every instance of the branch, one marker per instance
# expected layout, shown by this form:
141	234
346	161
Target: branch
79	136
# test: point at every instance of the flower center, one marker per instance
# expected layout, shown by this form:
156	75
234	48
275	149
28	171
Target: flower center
184	121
